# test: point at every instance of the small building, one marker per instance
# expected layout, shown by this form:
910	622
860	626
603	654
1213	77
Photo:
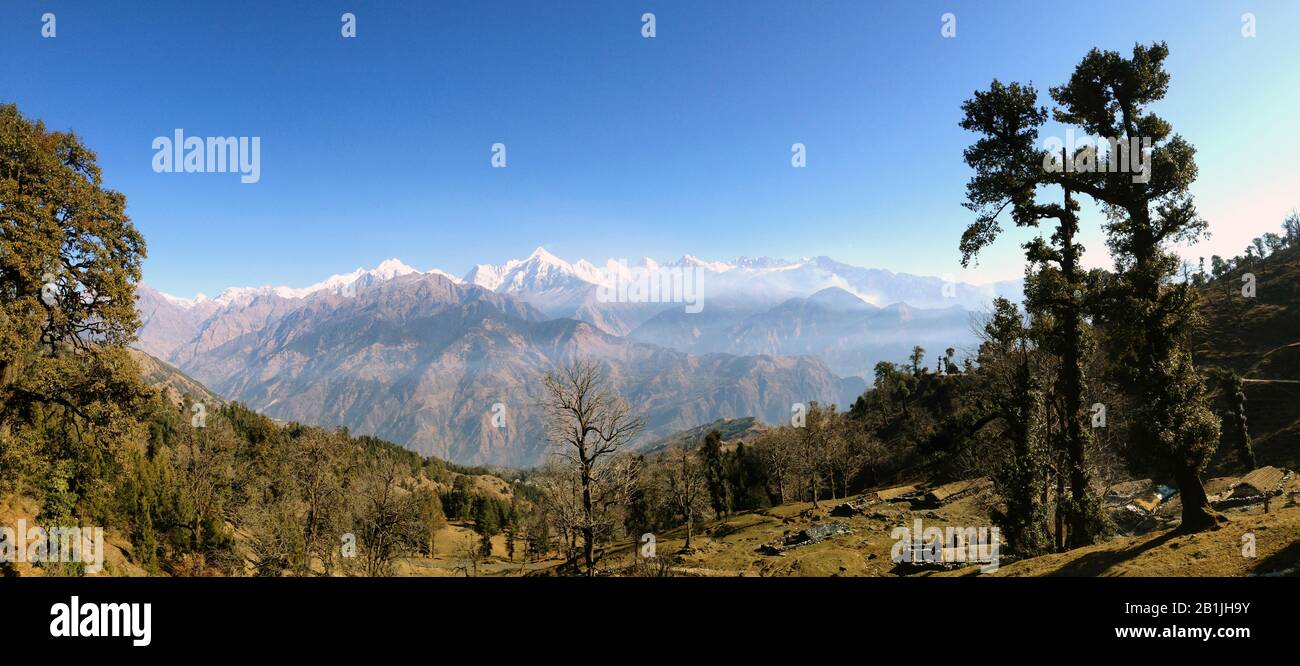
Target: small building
895	493
955	490
1263	481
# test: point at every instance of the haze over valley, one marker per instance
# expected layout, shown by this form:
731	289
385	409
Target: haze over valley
427	359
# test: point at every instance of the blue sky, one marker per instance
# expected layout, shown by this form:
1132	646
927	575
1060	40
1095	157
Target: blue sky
617	146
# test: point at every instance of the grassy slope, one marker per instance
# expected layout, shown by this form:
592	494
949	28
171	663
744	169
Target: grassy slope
1169	553
727	547
172	382
1260	338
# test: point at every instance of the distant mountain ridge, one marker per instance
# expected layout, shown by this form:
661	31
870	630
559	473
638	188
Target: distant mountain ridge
421	358
778	279
559	288
428	362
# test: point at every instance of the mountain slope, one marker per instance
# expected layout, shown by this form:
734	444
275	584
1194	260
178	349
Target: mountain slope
427	362
173	383
168	322
1258	337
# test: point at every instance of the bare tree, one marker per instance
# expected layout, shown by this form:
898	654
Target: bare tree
470	556
588	423
687	486
560	506
388	517
850	449
814	444
777	451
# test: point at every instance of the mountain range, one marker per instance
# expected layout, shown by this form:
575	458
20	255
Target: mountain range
428	359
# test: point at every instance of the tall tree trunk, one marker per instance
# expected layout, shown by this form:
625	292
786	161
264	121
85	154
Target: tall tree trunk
1083	526
1156	350
1062	530
689	517
589	519
1197	513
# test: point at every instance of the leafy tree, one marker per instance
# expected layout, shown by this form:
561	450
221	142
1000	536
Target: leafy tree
431	516
69	262
748	480
1234	391
1013	394
1009	171
487	517
950	368
458	503
1147	316
537	536
918	355
715	473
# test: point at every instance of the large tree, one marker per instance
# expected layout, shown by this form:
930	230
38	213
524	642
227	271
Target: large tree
1009	172
1147	315
588	423
69	262
687	487
715	471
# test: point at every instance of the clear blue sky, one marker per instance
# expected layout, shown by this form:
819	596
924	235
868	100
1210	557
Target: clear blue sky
618	146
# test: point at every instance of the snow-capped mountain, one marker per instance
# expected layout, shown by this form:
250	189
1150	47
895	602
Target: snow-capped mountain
422	361
555	285
339	284
573	290
169	323
539	271
582	290
414	355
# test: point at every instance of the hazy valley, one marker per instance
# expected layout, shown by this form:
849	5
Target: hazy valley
450	367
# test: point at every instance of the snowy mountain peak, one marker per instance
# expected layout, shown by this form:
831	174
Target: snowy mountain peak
185	303
484	275
715	266
344	283
391	268
539	271
449	276
540	254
